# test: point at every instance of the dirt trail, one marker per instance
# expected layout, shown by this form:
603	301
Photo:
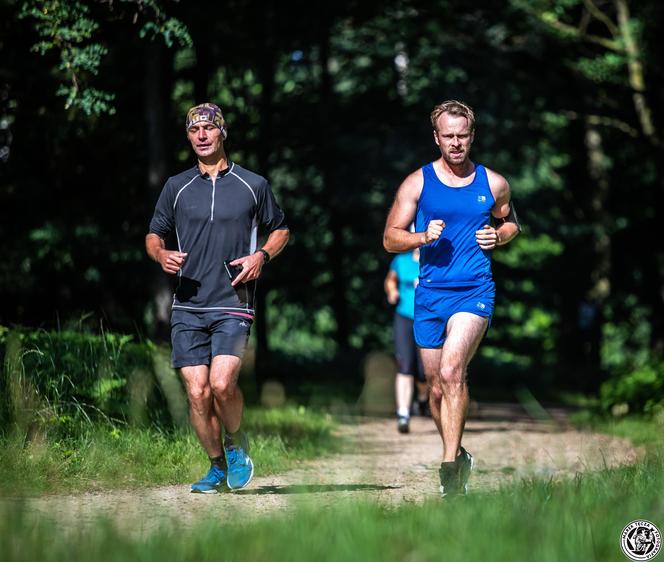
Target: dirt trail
380	465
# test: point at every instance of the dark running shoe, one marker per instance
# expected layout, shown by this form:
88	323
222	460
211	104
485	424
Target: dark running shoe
450	483
454	475
466	462
403	424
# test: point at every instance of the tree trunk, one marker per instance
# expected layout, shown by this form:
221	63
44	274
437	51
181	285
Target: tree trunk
267	79
636	75
327	159
156	104
591	310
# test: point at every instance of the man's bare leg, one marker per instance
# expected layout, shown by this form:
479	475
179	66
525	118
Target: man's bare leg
445	369
201	408
431	364
464	334
224	373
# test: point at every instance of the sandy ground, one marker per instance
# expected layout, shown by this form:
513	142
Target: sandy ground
379	464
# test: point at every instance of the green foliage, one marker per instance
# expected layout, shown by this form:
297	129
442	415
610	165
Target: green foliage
106	455
609	67
76	378
332	107
69	28
626	337
640	391
65	26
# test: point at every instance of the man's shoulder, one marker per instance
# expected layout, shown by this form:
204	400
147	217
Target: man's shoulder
252	178
181	179
496	180
413	182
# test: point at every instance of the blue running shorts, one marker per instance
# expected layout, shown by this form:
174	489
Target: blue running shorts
434	306
198	336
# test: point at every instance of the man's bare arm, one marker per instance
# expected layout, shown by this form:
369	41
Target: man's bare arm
489	237
252	265
171	261
276	242
396	236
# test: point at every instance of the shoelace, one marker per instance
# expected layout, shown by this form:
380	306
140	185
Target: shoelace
216	472
233	455
213	475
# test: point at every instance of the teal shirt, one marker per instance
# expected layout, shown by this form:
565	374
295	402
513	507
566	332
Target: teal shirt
407	270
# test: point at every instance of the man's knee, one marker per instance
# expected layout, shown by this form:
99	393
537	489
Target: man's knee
452	375
436	392
224	388
199	397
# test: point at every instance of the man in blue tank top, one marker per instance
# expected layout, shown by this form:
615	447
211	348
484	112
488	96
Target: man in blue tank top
452	201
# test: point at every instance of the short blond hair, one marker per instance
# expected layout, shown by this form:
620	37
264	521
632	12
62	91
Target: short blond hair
455	108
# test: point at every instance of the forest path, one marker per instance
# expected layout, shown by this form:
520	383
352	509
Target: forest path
378	464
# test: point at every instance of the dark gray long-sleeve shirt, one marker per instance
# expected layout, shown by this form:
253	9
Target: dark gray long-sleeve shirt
215	221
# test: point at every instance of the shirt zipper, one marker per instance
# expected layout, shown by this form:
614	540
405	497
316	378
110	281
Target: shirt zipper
214	181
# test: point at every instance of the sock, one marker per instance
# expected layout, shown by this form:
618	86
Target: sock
403	412
237	439
219	462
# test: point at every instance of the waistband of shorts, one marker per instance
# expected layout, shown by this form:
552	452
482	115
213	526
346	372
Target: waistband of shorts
462	286
224	309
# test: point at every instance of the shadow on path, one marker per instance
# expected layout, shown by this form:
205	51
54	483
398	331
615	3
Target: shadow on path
313	489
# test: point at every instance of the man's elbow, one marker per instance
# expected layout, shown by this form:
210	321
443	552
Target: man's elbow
388	243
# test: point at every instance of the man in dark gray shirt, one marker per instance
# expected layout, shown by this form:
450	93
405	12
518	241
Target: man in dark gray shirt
215	209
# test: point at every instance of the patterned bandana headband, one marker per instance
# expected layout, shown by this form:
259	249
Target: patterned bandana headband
206	113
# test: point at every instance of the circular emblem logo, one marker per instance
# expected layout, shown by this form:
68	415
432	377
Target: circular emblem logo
640	540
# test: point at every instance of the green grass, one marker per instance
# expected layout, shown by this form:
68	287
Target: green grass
642	431
106	456
579	519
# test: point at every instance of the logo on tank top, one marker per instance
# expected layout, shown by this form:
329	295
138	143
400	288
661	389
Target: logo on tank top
481	305
481	198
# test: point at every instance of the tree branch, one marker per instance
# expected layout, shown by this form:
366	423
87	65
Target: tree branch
604	121
566	29
594	11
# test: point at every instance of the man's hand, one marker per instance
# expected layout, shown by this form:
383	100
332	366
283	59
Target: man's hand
251	267
434	230
171	261
487	237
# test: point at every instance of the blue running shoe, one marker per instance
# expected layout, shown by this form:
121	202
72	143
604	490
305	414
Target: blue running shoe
210	483
240	468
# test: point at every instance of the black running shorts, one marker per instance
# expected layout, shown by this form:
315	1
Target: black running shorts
408	358
199	336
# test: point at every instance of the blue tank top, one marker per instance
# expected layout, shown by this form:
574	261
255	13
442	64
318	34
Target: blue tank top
455	259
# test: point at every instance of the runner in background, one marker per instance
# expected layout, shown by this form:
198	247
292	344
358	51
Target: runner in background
400	284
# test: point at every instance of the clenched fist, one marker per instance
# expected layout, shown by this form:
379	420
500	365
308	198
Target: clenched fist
171	261
434	230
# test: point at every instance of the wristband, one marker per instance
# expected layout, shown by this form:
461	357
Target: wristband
266	256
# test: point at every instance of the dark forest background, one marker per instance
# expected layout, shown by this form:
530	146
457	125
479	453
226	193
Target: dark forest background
330	101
